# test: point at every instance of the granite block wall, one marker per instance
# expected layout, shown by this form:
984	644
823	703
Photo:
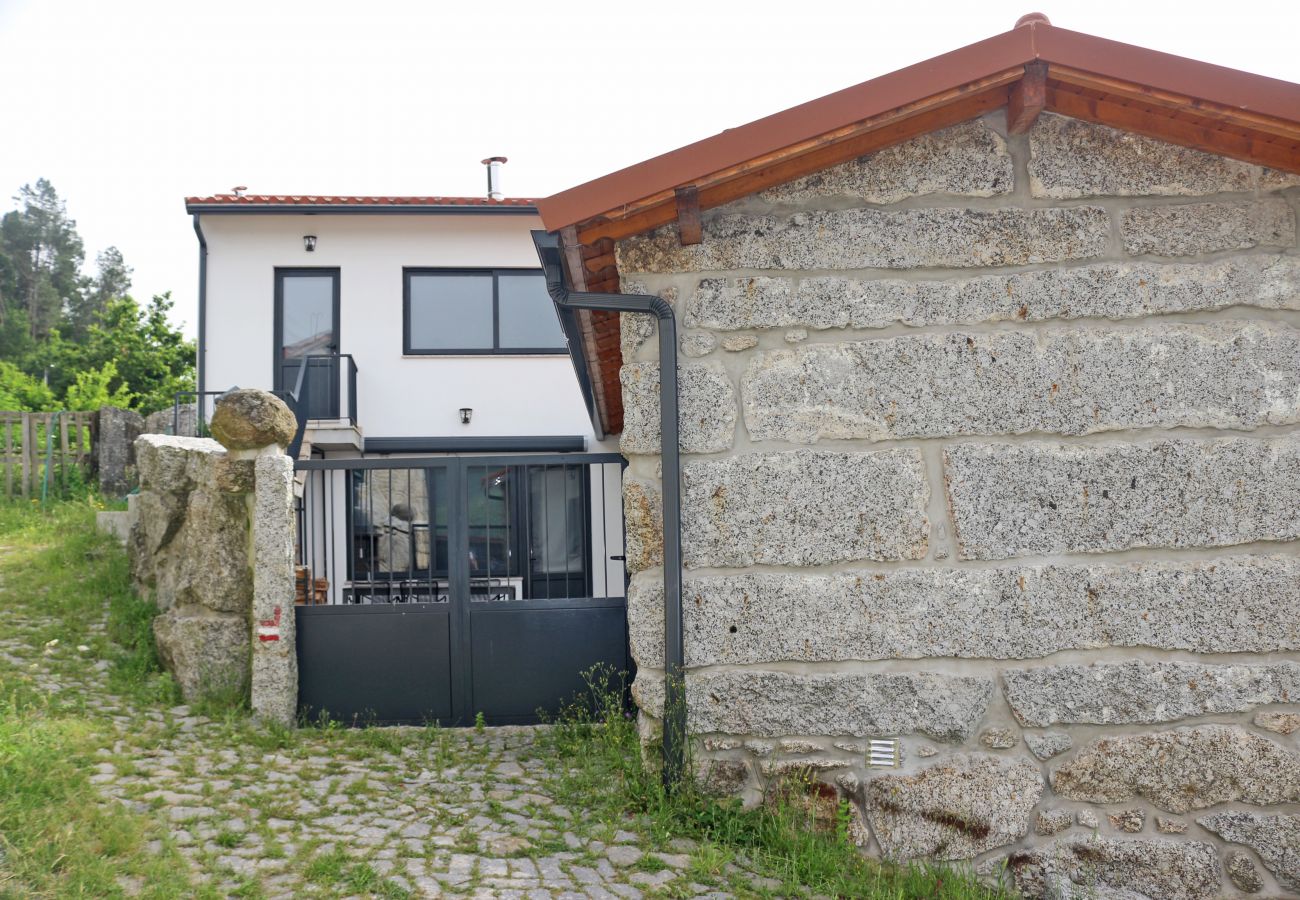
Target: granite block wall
991	448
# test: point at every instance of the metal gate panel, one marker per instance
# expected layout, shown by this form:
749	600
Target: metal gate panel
512	559
523	660
375	664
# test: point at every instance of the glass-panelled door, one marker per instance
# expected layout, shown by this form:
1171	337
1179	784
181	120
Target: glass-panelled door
307	325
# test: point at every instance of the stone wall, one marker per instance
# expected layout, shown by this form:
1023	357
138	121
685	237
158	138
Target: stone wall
213	545
991	448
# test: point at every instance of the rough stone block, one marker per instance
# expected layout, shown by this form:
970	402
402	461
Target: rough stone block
1039	498
1144	692
1170	826
999	738
1048	744
770	704
1130	820
697	343
1196	228
1052	821
183	421
1070	158
643	525
1181	770
636	328
174	465
115	433
206	653
956	237
956	809
706	407
722	777
1101	290
1122	869
1275	838
804	508
1278	722
969	160
1241	604
1242	872
206	564
1067	381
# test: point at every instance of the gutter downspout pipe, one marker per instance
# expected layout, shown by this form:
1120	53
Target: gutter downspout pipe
674	730
203	314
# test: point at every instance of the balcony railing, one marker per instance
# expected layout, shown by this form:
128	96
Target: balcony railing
317	387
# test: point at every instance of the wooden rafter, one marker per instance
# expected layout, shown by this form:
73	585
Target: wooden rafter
1027	98
689	229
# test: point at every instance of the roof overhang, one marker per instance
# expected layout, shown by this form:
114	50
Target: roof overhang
1032	68
1196	104
355	209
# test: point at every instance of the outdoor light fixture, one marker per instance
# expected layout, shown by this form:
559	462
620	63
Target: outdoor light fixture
465	414
309	243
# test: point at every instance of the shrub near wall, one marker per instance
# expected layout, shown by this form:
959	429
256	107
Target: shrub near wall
991	447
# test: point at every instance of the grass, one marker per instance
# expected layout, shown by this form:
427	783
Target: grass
600	770
57	838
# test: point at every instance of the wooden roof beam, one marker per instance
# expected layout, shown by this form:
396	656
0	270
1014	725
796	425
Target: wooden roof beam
1027	99
689	229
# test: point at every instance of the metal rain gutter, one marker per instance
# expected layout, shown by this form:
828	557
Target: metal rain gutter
203	306
674	732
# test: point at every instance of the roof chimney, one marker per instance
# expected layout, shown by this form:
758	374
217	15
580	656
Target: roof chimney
494	164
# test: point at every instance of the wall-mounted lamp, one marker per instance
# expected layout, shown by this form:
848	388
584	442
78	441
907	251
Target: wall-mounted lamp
309	243
465	414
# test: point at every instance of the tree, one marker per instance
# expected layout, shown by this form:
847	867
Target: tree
43	254
112	281
21	392
152	359
92	389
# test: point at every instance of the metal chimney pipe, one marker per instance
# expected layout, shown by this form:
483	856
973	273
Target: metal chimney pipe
494	164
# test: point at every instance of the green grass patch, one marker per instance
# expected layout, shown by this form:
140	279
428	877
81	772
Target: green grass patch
594	752
58	836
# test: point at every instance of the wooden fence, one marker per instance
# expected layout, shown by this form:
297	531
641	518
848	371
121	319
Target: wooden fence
42	449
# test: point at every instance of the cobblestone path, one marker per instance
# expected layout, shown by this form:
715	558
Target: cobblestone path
333	812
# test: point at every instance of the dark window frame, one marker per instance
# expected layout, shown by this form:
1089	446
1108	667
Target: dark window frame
277	339
496	349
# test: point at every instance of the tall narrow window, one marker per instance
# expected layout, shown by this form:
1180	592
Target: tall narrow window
479	311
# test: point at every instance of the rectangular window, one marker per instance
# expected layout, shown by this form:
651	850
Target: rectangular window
479	311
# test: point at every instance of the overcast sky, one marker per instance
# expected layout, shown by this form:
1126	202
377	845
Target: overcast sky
127	106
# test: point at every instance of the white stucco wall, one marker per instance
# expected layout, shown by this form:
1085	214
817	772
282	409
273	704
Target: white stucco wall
397	396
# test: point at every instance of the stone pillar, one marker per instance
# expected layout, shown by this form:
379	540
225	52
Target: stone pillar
115	434
275	656
258	426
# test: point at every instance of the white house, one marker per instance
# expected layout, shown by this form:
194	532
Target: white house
437	301
449	464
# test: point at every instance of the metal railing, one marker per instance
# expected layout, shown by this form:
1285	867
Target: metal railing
321	386
537	530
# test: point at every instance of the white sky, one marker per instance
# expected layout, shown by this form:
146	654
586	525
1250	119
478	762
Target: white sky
130	105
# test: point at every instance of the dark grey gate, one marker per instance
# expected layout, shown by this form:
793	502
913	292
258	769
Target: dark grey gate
436	589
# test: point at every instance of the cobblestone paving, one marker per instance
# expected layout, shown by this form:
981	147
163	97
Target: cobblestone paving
391	812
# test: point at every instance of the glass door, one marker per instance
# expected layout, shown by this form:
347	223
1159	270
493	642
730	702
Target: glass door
306	326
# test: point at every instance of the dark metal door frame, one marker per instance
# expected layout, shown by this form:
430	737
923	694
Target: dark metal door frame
277	348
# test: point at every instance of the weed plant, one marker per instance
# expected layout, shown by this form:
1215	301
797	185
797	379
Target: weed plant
600	768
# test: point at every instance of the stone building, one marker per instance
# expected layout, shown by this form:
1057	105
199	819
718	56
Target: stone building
989	383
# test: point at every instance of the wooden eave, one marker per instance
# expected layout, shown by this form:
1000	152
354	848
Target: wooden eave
1033	67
